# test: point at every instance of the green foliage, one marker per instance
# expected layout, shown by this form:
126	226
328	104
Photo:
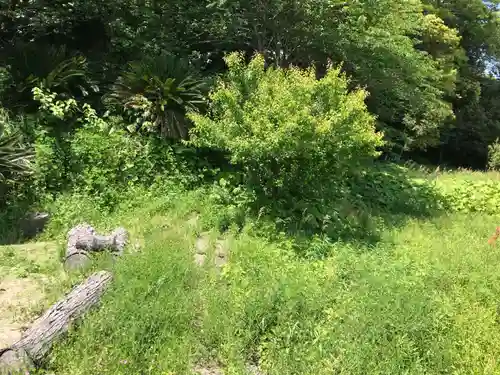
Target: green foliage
51	70
380	44
52	172
72	71
157	92
16	171
291	133
422	300
106	163
475	196
102	164
388	188
98	158
14	156
424	62
54	107
475	59
494	155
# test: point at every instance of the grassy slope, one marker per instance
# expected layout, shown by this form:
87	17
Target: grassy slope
31	277
421	301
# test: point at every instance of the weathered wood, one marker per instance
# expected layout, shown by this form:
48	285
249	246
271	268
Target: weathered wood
95	243
83	239
38	340
77	260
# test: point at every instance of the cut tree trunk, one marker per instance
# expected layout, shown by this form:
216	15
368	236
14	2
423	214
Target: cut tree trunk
38	340
83	239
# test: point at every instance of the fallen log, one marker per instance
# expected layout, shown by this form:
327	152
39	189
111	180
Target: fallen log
36	342
83	239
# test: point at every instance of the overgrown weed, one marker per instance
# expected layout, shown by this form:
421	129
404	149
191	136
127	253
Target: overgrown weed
421	300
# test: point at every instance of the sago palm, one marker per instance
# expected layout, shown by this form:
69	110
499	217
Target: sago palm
159	91
53	68
14	157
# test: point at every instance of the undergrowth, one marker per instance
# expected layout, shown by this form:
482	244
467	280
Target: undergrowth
421	300
338	264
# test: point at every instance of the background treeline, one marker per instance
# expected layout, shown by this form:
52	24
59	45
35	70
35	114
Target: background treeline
429	66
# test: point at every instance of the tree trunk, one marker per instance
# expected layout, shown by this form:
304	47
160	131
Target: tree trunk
38	340
83	239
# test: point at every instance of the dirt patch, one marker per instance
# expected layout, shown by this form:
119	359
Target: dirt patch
17	298
208	370
27	272
216	370
10	332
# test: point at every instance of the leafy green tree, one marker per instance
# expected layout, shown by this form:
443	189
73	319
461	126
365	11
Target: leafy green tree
293	135
422	61
474	102
379	44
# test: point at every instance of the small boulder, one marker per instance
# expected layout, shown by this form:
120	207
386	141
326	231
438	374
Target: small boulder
34	223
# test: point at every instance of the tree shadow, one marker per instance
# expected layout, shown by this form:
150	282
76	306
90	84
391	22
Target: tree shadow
19	219
381	197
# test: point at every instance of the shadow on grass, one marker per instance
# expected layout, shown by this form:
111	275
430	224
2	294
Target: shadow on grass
16	202
358	210
13	225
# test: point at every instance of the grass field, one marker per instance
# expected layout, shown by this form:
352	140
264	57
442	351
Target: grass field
31	277
424	299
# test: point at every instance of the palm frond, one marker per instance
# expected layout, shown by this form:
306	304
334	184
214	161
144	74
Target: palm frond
169	83
53	67
14	156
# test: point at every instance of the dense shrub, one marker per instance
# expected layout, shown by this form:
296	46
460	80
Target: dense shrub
388	188
295	136
104	163
97	157
494	155
475	196
52	173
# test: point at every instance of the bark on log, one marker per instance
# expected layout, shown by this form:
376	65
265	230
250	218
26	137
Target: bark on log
38	340
83	239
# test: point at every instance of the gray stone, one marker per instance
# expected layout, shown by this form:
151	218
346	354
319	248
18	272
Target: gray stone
208	370
202	244
221	253
199	259
34	224
254	370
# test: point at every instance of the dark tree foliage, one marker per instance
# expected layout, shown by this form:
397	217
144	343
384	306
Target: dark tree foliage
424	62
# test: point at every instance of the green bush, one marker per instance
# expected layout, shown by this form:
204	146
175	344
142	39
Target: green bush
475	196
295	136
103	163
494	155
51	166
98	157
387	188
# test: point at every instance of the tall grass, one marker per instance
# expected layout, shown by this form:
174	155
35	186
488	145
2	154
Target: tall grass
423	300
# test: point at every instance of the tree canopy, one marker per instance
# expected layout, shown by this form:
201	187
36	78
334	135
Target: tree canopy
428	66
